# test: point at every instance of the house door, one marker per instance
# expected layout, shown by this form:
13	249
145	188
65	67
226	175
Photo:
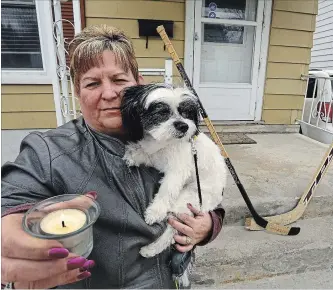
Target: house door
226	56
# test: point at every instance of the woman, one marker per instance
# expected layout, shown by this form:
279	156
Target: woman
85	156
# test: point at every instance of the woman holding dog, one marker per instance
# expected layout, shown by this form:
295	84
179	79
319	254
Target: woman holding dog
85	156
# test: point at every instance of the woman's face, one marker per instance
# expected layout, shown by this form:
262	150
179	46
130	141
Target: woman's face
99	94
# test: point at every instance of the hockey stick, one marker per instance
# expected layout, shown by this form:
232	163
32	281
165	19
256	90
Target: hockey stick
274	228
298	210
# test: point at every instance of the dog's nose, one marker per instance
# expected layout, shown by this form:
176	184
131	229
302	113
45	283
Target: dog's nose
181	126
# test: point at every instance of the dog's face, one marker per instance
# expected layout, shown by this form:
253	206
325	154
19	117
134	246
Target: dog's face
160	112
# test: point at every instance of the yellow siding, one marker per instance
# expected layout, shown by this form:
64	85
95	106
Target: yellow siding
291	34
159	10
125	15
131	26
283	102
28	120
285	70
27	107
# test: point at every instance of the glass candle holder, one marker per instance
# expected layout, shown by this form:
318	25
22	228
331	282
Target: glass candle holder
67	218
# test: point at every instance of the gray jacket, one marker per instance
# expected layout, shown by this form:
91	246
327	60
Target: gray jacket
74	159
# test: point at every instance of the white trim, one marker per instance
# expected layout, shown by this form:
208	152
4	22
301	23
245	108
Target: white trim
77	16
263	59
228	21
189	38
226	85
256	58
32	76
53	64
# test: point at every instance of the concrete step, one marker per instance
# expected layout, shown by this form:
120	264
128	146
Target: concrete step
251	128
240	257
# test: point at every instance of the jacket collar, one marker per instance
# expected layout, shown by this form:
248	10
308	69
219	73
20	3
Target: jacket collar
111	143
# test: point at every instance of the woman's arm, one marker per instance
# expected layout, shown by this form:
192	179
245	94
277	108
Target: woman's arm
28	179
217	216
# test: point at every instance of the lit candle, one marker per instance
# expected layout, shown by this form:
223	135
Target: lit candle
66	218
63	221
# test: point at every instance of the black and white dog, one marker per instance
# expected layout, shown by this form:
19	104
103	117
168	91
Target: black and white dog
161	122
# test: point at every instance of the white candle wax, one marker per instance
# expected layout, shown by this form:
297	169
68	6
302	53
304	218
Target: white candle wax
63	221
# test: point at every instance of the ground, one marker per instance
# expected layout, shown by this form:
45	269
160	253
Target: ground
275	172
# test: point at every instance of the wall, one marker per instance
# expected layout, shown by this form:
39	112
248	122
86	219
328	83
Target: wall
322	51
32	106
124	15
291	38
27	106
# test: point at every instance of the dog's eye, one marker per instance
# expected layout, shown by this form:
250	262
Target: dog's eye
164	111
187	114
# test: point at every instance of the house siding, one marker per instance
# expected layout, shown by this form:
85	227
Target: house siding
322	51
32	106
125	14
27	107
289	55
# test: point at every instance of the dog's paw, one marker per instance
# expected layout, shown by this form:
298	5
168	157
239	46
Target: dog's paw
129	162
148	251
155	214
130	159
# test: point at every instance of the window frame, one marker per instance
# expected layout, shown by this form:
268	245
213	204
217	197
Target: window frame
44	16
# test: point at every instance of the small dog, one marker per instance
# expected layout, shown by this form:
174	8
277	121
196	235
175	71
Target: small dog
160	122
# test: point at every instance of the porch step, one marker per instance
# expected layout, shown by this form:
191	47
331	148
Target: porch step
244	259
251	127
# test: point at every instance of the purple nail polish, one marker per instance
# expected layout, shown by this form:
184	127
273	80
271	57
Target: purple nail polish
84	275
92	193
89	264
75	263
58	253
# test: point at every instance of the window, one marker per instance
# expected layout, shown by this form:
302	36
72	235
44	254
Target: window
25	41
20	45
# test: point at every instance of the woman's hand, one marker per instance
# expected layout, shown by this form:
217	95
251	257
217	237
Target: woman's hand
194	229
34	263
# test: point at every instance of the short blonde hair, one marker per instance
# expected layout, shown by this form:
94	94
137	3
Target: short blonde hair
87	47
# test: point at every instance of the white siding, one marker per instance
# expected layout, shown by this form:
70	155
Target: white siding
322	51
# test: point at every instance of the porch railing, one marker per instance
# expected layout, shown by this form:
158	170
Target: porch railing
317	114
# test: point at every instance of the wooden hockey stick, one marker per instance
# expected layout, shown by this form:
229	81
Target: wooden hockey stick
297	212
271	227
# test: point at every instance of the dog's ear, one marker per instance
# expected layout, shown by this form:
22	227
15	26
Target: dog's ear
196	109
198	116
132	106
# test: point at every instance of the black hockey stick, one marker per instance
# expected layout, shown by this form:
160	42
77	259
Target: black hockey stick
271	227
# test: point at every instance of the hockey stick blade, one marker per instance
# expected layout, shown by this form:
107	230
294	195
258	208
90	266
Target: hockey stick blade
271	227
297	212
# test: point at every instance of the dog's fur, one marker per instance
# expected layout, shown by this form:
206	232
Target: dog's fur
160	121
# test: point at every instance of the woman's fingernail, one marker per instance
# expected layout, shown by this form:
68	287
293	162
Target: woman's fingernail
75	263
58	253
84	275
189	204
87	265
92	193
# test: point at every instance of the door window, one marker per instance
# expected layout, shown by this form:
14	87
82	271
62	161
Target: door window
227	41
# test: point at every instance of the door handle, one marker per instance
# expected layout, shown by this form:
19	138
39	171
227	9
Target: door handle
196	36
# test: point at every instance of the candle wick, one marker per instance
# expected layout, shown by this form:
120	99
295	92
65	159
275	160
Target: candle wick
63	224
